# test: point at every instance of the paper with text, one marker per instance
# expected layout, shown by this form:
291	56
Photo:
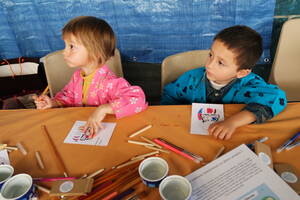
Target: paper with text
204	115
76	136
4	159
239	175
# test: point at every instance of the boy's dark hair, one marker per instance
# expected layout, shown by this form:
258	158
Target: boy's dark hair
95	34
245	42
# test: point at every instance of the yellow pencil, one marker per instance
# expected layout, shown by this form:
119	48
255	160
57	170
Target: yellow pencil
45	90
140	131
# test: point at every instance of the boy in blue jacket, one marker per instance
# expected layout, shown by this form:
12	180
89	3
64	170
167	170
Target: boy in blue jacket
227	78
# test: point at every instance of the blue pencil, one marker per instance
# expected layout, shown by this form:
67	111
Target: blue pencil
293	145
292	139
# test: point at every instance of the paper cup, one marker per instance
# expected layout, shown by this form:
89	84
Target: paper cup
18	187
6	171
175	188
153	170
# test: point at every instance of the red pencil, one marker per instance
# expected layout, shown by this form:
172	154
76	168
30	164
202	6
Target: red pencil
175	150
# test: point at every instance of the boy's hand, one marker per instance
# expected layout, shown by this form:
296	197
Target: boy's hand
42	102
94	122
222	130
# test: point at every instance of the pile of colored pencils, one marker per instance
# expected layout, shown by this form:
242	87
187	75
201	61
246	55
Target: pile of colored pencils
114	184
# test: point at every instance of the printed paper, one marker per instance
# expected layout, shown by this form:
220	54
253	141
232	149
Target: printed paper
76	136
203	115
239	175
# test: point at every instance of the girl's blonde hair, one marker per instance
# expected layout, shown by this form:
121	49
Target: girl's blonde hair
95	34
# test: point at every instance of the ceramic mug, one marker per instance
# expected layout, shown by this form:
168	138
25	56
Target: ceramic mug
18	187
175	188
6	171
153	170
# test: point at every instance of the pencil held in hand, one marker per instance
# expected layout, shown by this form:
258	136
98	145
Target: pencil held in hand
45	91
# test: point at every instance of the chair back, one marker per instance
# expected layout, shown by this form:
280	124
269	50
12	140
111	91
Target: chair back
175	65
286	66
58	73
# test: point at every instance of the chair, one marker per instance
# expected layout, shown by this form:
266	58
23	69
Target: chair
175	65
286	66
58	73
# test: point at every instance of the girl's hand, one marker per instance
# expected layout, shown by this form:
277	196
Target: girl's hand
42	102
222	130
94	122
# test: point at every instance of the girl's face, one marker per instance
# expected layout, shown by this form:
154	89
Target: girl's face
221	64
75	54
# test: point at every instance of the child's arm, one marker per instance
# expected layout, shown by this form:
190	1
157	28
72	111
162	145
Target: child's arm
94	122
224	129
125	99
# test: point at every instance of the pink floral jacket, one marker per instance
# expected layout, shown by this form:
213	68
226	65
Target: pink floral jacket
105	88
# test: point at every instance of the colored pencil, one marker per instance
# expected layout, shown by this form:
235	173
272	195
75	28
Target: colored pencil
42	188
140	131
114	173
129	163
139	143
263	139
45	90
151	142
289	147
11	148
39	160
21	148
178	150
115	186
60	161
286	144
124	194
219	152
53	179
96	173
157	149
145	155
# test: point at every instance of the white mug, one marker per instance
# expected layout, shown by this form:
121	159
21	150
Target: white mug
6	171
18	187
153	170
175	188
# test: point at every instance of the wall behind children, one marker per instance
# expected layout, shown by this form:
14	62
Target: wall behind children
147	30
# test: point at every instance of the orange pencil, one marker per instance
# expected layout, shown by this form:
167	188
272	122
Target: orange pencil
62	165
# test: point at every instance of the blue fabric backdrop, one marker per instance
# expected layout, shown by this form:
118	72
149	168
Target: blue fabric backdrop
147	30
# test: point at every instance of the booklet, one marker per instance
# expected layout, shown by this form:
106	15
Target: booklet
239	175
76	136
203	115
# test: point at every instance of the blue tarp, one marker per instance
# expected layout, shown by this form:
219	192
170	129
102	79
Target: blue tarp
147	30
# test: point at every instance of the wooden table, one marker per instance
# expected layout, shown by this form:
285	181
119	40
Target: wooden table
169	122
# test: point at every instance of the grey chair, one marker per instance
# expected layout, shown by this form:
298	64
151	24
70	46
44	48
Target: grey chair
286	66
58	73
175	65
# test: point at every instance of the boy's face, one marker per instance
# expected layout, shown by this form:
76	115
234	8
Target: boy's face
75	54
221	64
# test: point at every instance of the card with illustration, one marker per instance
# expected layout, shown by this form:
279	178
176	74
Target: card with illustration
203	115
77	136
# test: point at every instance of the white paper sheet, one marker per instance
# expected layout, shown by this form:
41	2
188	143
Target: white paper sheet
4	159
239	175
17	69
203	115
76	136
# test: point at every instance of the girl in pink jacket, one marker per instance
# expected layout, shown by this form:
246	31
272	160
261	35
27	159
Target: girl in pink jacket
89	43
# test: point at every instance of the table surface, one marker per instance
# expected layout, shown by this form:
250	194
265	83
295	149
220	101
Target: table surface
169	122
